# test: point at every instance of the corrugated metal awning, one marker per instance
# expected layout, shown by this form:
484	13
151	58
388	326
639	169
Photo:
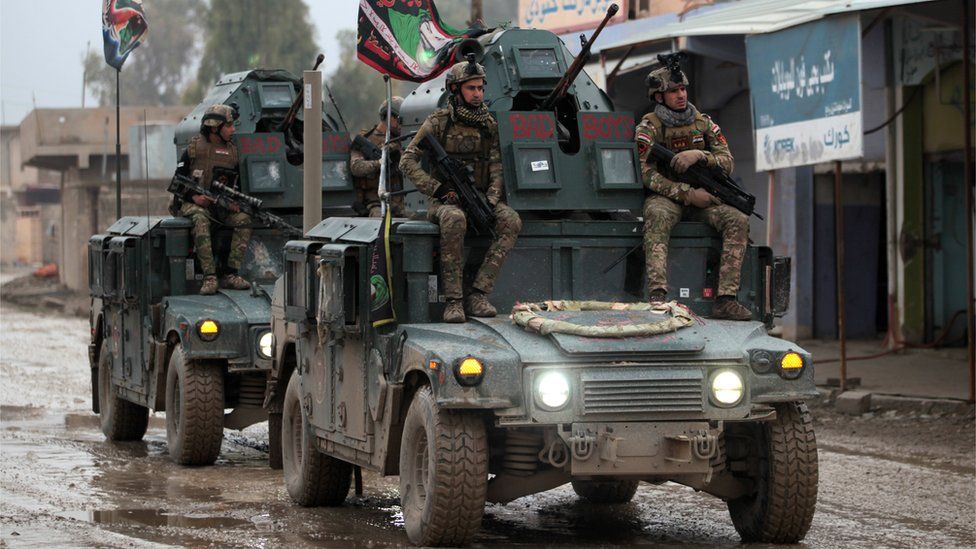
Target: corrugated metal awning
728	18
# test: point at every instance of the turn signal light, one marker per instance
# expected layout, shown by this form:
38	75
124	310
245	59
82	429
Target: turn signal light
208	330
468	371
791	361
470	367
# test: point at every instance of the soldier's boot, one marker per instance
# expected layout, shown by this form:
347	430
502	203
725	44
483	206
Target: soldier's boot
658	296
727	308
454	312
234	282
209	286
476	304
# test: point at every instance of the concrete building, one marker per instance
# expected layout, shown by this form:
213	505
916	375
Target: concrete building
28	207
79	145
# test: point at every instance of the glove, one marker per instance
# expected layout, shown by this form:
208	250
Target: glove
686	159
700	198
446	194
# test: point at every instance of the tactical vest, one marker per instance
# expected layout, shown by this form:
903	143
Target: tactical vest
367	187
469	144
680	138
205	156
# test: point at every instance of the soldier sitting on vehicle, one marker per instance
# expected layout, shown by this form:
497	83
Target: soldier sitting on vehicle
208	154
366	172
467	131
676	124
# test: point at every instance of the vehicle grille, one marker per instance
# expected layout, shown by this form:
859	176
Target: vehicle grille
660	392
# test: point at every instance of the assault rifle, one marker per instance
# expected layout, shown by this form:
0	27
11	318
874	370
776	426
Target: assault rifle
461	181
710	178
372	152
224	196
562	87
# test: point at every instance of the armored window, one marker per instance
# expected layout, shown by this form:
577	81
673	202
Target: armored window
537	63
534	167
617	167
265	175
276	96
335	175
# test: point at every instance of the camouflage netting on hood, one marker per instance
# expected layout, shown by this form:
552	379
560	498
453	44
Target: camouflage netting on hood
664	317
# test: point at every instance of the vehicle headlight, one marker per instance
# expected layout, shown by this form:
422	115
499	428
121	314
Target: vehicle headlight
552	390
727	388
265	343
208	329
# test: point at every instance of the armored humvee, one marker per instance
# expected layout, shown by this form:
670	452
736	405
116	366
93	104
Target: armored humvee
155	342
488	411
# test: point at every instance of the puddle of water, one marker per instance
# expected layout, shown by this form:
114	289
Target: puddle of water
155	518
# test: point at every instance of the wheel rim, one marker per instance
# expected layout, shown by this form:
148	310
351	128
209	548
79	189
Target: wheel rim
104	387
419	473
297	435
177	404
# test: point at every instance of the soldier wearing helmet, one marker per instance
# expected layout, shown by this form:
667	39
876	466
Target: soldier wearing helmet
212	156
468	132
695	138
366	172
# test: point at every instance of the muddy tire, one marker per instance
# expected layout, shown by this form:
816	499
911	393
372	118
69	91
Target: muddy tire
443	473
274	440
312	478
120	419
194	410
781	509
606	492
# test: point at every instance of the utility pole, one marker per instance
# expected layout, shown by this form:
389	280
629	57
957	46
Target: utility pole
477	12
84	75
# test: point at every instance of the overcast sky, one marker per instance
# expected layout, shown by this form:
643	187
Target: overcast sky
40	59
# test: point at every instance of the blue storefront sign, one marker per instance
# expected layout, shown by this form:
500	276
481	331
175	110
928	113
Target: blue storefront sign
805	84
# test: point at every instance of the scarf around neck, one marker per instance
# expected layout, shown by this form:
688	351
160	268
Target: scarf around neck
674	119
466	115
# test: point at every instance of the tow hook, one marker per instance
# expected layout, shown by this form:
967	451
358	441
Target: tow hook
582	445
704	446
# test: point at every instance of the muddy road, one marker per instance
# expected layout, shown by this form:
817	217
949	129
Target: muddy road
888	480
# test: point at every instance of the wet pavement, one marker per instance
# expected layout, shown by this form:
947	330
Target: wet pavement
887	480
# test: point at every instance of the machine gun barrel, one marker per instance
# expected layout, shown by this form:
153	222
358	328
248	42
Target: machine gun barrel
562	87
224	196
297	103
712	179
480	214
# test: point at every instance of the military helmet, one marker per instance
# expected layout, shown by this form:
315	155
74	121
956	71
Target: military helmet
394	110
662	79
217	115
464	71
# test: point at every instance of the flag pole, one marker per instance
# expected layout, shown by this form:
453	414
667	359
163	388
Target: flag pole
384	172
118	147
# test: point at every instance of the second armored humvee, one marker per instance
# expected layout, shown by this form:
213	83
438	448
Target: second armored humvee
155	342
490	411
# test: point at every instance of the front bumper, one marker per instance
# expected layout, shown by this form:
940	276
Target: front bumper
640	449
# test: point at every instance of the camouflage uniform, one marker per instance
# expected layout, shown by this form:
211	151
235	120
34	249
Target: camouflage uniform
198	162
366	177
668	202
477	147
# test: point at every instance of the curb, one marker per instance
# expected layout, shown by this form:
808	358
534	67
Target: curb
859	402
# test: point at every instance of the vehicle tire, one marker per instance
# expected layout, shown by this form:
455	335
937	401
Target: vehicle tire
274	440
443	473
311	477
781	509
194	410
120	419
606	491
